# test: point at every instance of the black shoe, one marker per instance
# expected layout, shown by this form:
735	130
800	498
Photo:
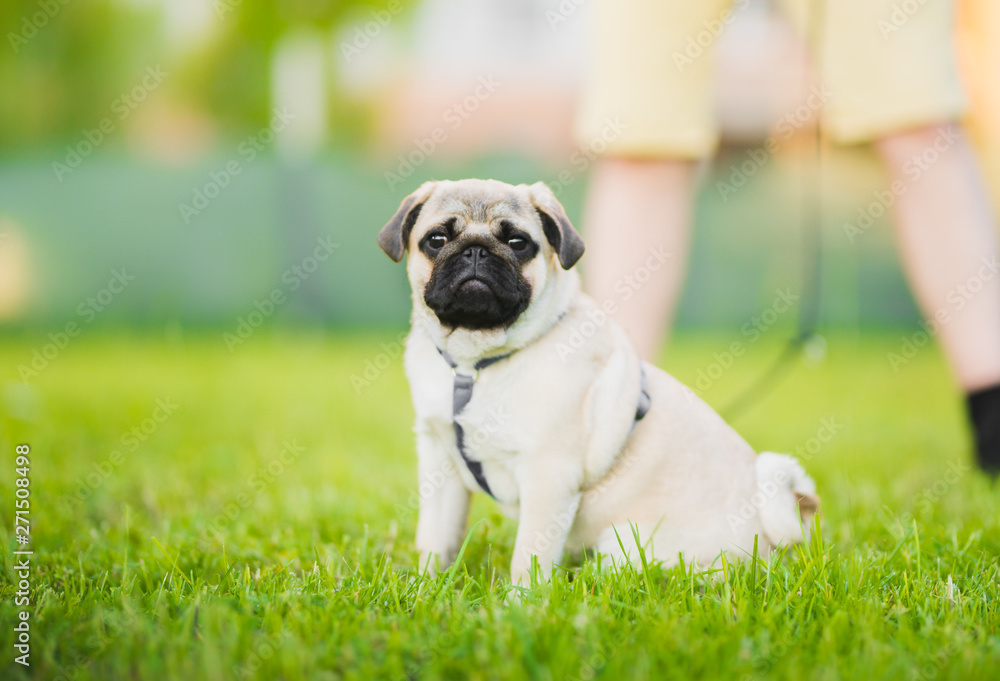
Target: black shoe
984	409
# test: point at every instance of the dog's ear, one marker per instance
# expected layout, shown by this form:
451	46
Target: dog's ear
558	230
394	237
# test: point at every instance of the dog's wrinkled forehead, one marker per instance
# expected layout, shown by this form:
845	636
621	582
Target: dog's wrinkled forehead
478	205
484	207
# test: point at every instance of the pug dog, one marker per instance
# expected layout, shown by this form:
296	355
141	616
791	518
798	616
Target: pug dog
525	389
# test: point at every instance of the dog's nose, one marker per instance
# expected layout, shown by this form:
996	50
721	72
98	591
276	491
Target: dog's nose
475	253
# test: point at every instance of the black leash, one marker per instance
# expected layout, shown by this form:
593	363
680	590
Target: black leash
812	258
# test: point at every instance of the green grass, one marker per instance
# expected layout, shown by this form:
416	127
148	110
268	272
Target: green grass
191	560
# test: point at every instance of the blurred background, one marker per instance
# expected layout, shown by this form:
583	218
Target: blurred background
180	163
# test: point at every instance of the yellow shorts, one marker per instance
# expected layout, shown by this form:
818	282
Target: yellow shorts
887	65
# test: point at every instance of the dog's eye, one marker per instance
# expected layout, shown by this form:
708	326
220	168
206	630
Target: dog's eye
437	241
517	243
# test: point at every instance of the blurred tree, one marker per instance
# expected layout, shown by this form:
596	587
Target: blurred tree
64	62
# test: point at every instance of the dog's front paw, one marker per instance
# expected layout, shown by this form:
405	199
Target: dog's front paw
515	596
430	563
520	577
434	562
520	582
525	572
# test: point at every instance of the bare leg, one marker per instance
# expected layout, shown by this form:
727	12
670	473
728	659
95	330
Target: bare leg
947	237
637	211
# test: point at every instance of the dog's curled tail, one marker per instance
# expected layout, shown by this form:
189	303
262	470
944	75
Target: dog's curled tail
789	498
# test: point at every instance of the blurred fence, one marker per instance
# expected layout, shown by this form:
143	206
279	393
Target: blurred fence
212	245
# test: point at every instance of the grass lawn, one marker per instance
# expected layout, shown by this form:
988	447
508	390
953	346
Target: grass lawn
198	514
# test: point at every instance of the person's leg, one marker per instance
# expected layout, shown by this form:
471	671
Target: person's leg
647	108
898	86
638	217
947	237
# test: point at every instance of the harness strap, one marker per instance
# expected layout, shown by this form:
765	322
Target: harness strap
462	393
645	401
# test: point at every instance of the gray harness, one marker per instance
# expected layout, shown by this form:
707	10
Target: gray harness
462	393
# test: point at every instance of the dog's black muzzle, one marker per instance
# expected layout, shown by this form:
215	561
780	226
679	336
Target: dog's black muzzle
476	288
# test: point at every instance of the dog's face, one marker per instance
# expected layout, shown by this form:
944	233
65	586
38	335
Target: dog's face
480	251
